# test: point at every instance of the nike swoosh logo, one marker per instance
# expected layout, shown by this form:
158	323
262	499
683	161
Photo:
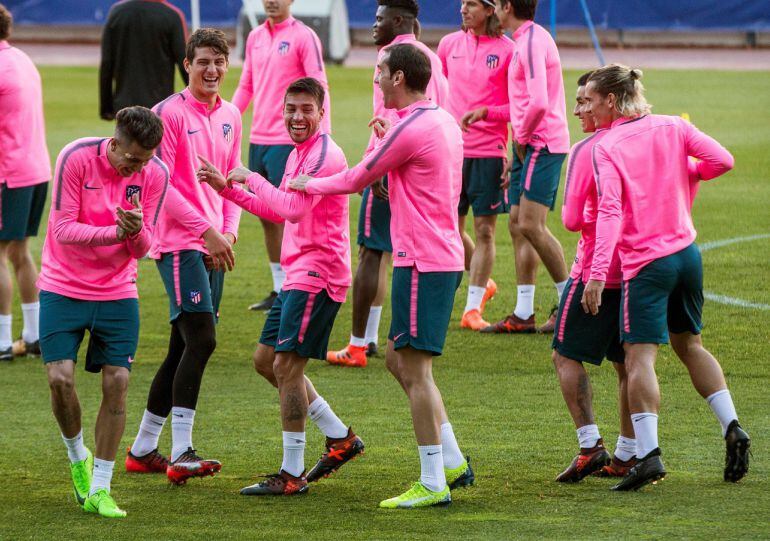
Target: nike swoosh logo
431	454
190	132
395	338
87	187
456	57
493	207
282	341
177	415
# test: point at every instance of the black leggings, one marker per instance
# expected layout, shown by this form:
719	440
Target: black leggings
178	381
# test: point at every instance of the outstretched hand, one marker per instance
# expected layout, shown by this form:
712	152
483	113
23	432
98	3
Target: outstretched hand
300	183
209	174
239	175
380	126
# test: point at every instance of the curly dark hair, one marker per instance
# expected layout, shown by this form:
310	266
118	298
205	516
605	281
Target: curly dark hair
6	22
409	6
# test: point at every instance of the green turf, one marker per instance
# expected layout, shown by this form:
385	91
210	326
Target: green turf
501	391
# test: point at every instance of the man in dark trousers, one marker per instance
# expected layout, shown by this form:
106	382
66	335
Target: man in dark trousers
142	41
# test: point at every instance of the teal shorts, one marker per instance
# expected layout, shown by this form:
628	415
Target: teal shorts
481	187
113	327
189	285
269	161
586	338
374	222
665	297
21	210
537	178
421	304
300	322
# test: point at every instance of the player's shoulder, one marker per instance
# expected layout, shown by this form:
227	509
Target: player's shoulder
331	159
231	109
158	169
169	107
82	150
451	39
303	29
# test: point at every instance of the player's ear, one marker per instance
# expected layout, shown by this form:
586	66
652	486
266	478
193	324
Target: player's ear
186	64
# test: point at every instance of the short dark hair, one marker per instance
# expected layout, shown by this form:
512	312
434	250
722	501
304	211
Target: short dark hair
207	37
409	6
6	22
412	62
140	125
522	9
308	85
583	79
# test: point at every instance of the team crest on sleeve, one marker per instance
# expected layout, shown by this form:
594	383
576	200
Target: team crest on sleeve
195	296
131	190
283	48
493	61
227	130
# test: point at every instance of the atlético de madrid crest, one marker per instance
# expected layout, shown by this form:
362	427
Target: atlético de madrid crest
132	189
493	61
283	48
227	130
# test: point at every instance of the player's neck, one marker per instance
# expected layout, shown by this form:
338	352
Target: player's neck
275	21
209	99
409	99
514	24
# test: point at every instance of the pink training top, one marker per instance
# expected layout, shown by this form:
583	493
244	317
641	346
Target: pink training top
316	244
422	155
538	110
24	159
580	208
276	56
82	256
477	70
438	86
644	182
192	207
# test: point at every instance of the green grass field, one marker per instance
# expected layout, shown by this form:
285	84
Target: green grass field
501	391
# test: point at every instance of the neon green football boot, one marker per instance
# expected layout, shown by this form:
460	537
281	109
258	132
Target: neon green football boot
418	496
102	503
461	476
81	477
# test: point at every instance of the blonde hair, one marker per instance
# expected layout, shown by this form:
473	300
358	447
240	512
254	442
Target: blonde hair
626	85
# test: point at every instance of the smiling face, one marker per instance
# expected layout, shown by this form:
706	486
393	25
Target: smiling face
387	82
302	116
601	108
587	123
128	157
207	71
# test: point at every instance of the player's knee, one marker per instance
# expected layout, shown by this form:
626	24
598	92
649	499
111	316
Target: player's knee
391	363
620	370
285	369
686	346
18	254
61	383
531	228
204	343
485	233
115	385
263	364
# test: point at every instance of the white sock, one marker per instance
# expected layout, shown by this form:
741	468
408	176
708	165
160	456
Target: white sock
625	448
357	341
525	301
373	325
560	288
278	276
31	313
326	420
149	433
646	430
475	294
432	467
293	453
450	451
5	331
588	435
76	451
182	420
102	475
722	405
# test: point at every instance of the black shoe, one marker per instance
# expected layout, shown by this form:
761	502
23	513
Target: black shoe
587	461
465	479
737	457
371	349
649	469
264	304
21	348
338	452
6	354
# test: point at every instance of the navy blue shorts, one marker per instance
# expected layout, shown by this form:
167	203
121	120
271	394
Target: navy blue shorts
113	327
21	210
189	285
302	322
481	187
269	161
374	222
537	178
421	305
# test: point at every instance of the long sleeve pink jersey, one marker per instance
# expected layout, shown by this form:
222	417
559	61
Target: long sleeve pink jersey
422	154
24	159
82	256
580	208
477	70
438	86
645	183
191	129
276	56
316	244
537	110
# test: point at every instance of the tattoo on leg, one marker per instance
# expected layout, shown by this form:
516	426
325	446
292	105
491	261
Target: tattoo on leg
294	403
117	411
584	399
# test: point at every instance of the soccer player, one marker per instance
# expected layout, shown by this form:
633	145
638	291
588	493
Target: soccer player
582	338
278	52
107	196
316	256
475	61
395	22
193	249
25	170
538	117
425	180
643	158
